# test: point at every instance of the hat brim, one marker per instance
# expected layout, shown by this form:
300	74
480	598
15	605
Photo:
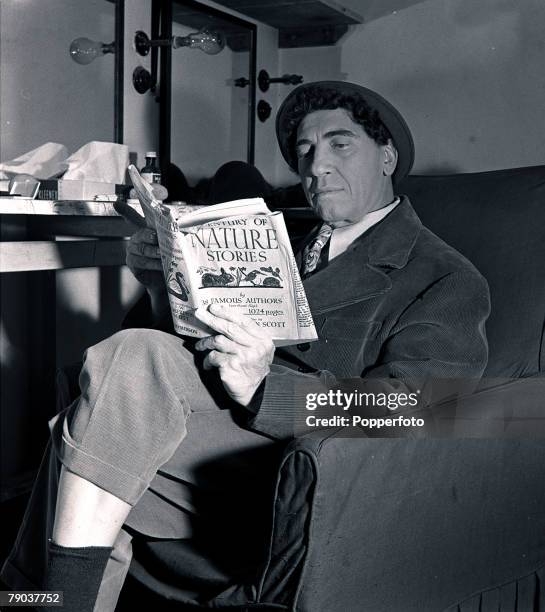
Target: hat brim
389	115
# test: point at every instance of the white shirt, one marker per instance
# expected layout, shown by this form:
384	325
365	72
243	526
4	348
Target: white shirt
343	237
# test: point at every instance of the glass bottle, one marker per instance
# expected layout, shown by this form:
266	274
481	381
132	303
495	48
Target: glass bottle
150	172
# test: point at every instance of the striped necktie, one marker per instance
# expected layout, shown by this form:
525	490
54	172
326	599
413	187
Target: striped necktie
311	254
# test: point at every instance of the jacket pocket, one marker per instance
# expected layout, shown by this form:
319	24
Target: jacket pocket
349	343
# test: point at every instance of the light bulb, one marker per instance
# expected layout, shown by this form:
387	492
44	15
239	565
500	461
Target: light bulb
84	51
209	41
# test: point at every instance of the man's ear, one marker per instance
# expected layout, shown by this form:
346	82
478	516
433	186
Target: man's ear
389	153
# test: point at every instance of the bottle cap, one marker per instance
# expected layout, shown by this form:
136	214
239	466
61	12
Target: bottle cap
151	154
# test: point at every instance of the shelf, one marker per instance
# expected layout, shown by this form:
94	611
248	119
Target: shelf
300	23
237	35
80	208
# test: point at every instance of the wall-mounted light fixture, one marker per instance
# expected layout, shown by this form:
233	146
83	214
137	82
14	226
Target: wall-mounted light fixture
142	80
264	110
207	40
264	80
84	50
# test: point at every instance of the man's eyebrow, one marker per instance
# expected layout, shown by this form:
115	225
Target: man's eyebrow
333	133
330	134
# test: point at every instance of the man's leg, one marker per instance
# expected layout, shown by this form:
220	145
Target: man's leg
86	515
112	445
27	564
138	388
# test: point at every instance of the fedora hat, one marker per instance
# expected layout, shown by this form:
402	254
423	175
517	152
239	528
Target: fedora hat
388	115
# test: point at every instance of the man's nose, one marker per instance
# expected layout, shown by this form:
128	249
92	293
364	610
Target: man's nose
320	161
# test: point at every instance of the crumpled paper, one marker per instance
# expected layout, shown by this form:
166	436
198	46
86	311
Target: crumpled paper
103	162
43	162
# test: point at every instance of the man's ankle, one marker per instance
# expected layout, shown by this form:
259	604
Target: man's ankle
77	572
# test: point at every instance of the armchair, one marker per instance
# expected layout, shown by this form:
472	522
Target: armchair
433	524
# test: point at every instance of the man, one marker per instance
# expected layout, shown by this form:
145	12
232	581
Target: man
160	437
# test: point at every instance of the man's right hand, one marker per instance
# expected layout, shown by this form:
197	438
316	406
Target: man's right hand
144	259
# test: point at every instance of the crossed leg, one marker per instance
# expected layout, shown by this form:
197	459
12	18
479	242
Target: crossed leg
141	393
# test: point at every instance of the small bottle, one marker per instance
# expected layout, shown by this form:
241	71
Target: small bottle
150	172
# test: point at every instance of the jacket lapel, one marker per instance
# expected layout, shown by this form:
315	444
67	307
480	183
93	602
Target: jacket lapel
347	279
359	273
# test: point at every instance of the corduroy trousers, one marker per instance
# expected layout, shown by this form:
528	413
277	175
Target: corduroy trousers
156	431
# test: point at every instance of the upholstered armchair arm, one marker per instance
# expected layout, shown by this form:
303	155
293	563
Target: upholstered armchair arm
397	524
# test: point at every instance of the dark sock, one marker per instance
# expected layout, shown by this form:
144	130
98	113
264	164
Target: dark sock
78	573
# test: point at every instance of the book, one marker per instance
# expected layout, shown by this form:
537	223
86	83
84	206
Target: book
237	254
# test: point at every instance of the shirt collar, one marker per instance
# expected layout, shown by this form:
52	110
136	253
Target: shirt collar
342	237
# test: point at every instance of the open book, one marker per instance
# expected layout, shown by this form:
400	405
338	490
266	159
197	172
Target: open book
236	254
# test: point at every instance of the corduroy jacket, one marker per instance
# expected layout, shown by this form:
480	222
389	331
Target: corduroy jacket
398	310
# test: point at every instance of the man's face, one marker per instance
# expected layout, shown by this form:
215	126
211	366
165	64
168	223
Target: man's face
344	172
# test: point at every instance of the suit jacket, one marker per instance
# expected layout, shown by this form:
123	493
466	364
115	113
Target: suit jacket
399	310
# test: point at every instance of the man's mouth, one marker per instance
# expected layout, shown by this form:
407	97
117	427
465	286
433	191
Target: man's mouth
316	194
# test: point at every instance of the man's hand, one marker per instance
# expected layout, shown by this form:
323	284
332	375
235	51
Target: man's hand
242	351
144	259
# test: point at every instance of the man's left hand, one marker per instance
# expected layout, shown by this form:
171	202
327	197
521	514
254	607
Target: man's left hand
242	351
